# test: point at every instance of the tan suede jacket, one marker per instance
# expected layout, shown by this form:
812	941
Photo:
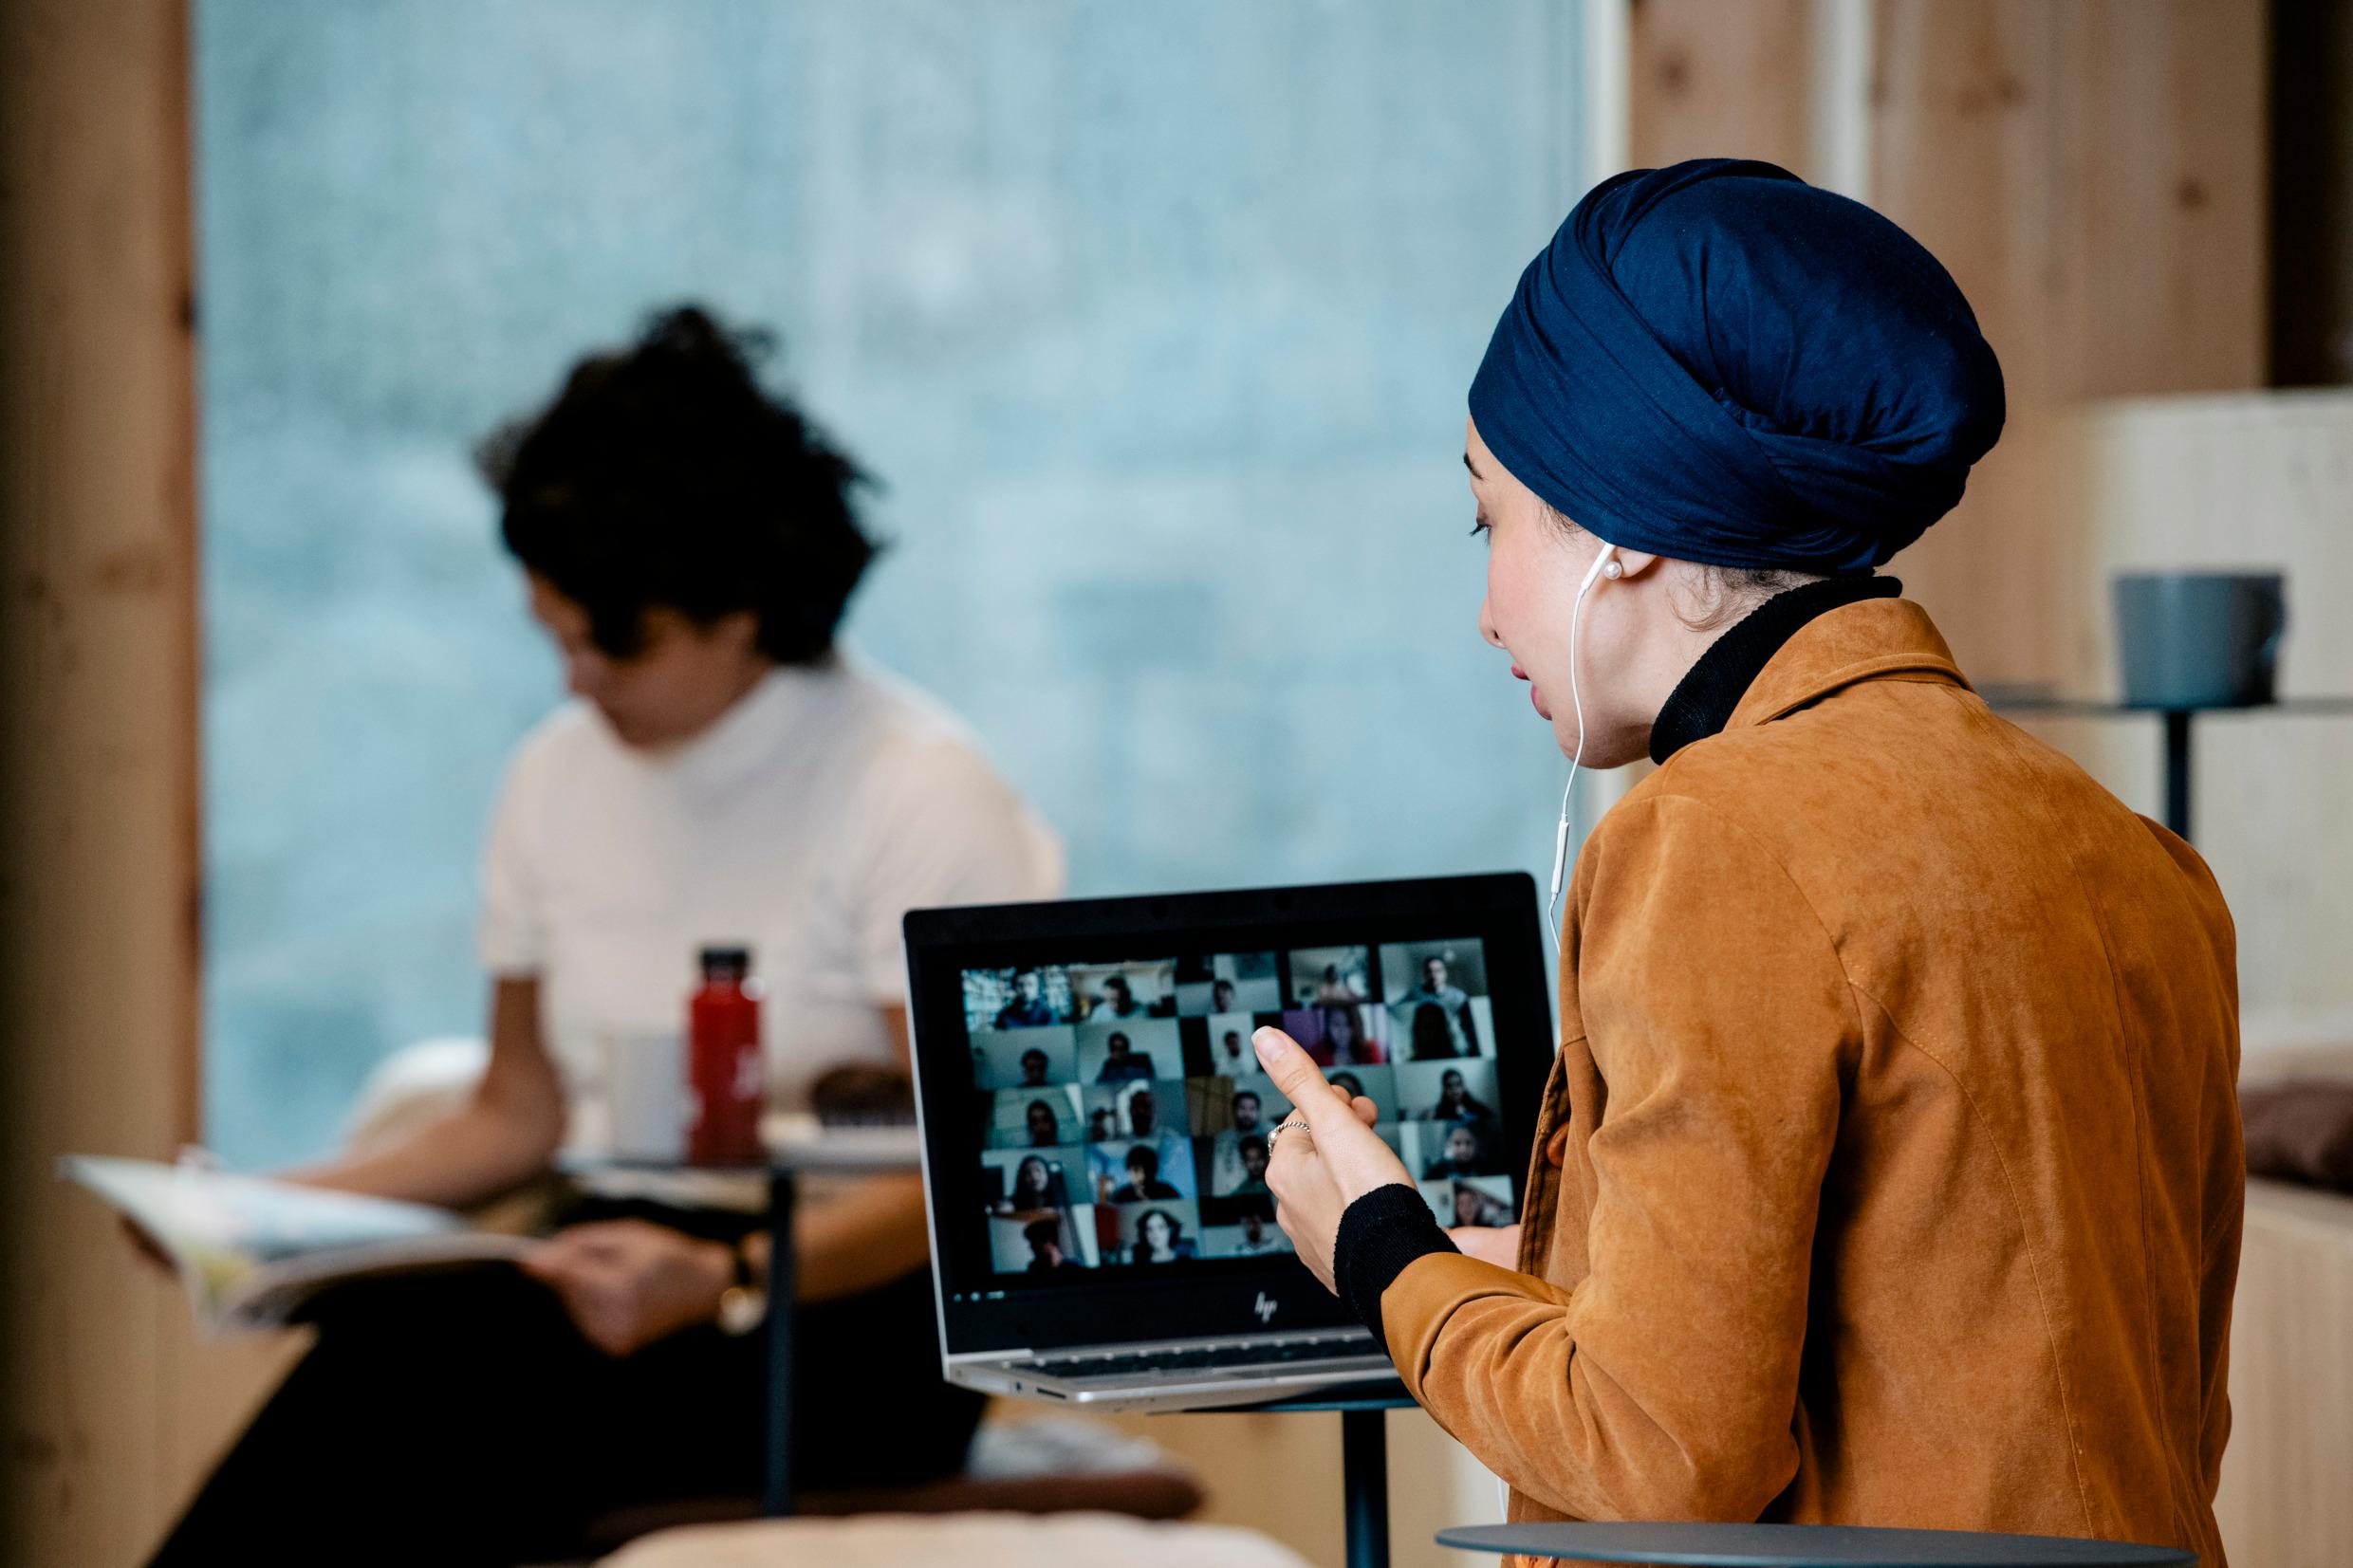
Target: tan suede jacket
1890	1171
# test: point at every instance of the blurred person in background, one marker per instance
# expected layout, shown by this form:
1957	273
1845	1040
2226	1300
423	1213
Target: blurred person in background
726	771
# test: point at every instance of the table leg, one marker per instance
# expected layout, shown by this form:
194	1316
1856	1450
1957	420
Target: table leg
1364	1486
776	1499
2177	771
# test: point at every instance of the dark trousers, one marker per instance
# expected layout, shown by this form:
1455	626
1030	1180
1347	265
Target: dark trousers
459	1418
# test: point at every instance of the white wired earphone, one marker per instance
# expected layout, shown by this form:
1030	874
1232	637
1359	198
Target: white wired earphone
1606	563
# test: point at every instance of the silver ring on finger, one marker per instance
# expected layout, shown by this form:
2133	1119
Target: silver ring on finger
1280	1129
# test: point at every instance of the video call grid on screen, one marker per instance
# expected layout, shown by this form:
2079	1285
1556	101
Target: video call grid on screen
1035	1120
1123	1117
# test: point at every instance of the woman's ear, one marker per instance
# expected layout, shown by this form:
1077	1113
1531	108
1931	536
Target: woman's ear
738	629
1633	563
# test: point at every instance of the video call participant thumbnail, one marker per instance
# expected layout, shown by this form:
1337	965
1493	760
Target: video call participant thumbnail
1330	976
1434	999
1228	983
1046	1119
1050	1242
1240	1228
1250	1151
1463	1151
1230	1055
1158	1234
1123	1062
1447	1091
1111	1165
1143	1176
1028	1010
1227	1170
1435	1015
1027	1184
1141	1108
1130	1052
1025	1059
1118	1000
1046	1247
1478	1201
1110	993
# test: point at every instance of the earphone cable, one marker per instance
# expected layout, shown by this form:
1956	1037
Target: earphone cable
1559	834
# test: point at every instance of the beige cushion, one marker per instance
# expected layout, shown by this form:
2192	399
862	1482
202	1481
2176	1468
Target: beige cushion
967	1540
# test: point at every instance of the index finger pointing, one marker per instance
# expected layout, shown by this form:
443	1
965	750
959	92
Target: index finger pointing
1295	1073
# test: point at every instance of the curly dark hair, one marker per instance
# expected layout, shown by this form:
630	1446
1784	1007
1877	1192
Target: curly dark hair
663	474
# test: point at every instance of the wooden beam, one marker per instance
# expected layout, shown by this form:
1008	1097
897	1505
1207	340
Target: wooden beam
2091	173
1711	80
112	1406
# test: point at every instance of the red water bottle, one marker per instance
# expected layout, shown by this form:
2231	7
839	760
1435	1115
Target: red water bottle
723	1061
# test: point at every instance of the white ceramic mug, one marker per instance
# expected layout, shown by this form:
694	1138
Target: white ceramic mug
645	1092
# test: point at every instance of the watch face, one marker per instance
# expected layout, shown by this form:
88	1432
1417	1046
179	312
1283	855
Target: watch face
741	1310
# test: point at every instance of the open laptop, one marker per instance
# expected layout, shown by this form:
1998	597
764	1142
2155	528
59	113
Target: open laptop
1094	1119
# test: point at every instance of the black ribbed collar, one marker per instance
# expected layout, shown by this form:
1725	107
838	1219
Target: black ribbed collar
1703	700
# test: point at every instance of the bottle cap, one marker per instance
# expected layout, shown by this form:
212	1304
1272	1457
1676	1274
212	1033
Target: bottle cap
730	960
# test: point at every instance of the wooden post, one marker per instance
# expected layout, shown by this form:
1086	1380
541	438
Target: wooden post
2092	174
1710	80
99	798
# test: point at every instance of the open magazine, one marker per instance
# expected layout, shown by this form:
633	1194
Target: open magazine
253	1250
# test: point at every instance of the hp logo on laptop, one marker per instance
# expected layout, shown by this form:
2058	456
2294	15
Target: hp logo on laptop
1264	1307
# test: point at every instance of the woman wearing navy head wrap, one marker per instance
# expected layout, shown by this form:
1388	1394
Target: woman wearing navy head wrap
1889	1172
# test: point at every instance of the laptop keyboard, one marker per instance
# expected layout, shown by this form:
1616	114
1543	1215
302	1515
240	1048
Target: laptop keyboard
1330	1347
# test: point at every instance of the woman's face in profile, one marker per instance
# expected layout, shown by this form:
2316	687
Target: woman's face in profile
1533	567
673	689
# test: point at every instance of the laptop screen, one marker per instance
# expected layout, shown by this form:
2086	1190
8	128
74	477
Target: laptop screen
1096	1121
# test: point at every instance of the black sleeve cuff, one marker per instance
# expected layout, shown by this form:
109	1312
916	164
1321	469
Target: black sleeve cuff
1380	1234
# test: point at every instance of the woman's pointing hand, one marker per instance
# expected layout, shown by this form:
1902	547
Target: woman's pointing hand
1326	1153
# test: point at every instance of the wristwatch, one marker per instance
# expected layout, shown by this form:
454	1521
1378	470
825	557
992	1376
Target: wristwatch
743	1305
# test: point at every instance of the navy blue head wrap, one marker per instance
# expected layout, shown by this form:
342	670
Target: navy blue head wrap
1721	364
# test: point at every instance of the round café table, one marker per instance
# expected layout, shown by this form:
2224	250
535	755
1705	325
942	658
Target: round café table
1806	1546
